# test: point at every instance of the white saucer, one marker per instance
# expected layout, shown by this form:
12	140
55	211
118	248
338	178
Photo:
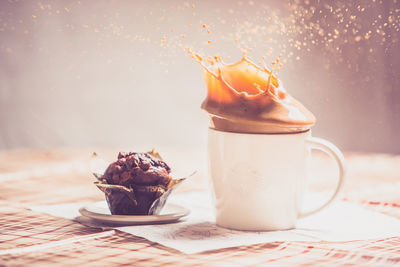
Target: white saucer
99	211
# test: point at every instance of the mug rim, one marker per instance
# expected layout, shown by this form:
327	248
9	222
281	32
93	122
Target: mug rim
250	133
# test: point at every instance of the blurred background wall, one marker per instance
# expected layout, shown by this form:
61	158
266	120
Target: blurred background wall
114	73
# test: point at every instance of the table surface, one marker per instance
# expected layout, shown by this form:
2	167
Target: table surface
29	178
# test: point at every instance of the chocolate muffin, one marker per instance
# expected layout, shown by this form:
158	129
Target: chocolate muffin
137	184
138	169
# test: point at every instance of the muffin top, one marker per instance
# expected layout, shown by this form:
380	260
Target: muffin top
138	169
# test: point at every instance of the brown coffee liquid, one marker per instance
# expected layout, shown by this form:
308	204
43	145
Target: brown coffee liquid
243	97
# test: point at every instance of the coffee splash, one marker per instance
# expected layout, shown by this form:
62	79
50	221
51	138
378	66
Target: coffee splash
244	97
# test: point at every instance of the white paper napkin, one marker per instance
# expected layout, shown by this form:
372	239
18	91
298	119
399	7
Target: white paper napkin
340	222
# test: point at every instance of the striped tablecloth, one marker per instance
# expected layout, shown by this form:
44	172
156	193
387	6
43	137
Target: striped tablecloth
39	178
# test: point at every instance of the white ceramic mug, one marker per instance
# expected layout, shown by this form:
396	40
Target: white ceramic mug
259	180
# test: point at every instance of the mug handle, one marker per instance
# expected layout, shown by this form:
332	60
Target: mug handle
336	154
